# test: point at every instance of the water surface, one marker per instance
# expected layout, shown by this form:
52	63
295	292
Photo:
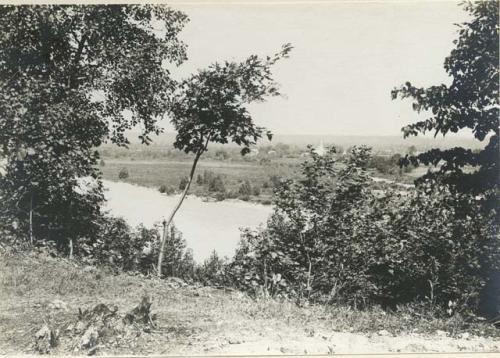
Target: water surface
206	226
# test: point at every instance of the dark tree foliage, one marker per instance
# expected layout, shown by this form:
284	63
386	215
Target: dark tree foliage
470	102
123	248
70	77
210	106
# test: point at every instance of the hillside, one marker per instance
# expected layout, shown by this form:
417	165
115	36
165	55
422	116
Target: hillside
37	289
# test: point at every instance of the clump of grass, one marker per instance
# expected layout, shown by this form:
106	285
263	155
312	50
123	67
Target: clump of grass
33	274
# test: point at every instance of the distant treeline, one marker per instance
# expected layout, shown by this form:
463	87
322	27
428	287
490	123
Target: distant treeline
395	143
260	153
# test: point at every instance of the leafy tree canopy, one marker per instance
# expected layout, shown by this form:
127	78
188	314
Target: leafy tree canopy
470	102
210	106
70	77
99	60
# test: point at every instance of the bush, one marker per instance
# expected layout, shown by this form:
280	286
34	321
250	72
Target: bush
183	183
231	194
126	249
216	184
178	261
123	173
245	188
166	189
266	202
208	176
330	239
118	246
220	196
221	154
199	180
256	191
40	210
213	271
102	163
275	181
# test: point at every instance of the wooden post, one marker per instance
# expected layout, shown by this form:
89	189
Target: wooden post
70	248
31	220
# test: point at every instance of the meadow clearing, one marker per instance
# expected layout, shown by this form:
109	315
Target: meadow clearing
155	173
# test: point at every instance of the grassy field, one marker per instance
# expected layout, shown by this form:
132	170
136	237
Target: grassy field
203	320
156	173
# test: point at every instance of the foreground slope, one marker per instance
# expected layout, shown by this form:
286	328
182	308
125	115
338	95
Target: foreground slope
36	289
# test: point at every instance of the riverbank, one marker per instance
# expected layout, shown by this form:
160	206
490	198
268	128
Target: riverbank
36	289
231	176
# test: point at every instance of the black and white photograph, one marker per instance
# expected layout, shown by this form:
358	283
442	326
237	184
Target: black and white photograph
250	178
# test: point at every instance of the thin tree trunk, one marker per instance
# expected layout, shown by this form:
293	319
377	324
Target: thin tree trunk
265	279
166	223
309	262
31	220
309	277
70	243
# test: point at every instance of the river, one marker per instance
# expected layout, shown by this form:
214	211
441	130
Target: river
206	226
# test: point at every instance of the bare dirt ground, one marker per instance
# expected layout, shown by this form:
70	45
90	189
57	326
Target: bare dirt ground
200	320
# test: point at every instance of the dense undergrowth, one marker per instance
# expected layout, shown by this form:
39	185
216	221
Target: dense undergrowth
333	239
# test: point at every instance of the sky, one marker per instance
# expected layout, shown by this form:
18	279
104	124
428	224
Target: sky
347	57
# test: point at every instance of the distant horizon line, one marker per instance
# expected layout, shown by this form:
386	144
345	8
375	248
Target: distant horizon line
426	136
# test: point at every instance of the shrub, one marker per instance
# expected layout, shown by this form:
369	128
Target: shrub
231	194
123	173
177	262
220	196
166	189
183	183
265	161
216	184
208	176
221	154
245	188
124	248
213	271
266	202
275	181
117	245
102	163
199	180
256	191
